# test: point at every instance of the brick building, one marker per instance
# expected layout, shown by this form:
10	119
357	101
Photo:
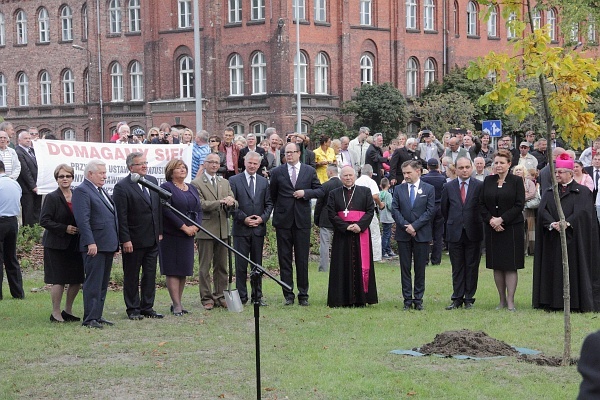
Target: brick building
72	66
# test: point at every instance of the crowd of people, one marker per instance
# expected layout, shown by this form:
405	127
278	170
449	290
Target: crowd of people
458	193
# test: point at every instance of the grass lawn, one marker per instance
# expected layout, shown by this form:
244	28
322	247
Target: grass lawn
307	352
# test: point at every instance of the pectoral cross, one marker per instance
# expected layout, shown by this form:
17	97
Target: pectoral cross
346	212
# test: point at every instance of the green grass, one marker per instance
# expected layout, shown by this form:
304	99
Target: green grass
307	353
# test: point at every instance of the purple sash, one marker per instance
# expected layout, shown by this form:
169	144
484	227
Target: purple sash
365	253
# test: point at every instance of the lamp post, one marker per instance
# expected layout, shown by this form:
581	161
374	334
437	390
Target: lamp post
197	67
298	97
101	102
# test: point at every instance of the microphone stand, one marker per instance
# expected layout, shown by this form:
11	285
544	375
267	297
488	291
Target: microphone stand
255	276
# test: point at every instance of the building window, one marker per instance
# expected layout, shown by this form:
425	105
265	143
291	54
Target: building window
44	25
259	74
45	89
86	88
412	74
84	22
135	20
537	19
429	71
300	84
591	36
238	129
471	19
551	21
321	10
185	13
116	78
411	14
86	135
366	70
66	22
492	23
259	130
114	15
236	76
365	12
23	84
69	134
304	128
510	30
21	25
429	17
68	87
3	90
455	20
491	76
2	30
321	74
186	78
258	10
137	81
574	33
299	7
235	11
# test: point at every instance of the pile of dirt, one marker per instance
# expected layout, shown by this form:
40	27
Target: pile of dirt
467	343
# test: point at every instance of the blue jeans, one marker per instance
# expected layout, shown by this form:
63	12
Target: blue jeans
386	236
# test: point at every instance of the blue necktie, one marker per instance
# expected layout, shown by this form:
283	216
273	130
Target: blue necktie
251	186
412	195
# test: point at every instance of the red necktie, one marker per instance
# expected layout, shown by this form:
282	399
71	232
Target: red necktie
463	192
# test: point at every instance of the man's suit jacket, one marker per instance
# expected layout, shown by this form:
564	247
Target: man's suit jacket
260	205
437	180
96	219
398	158
214	214
590	172
589	368
436	145
263	162
459	216
354	159
321	217
375	159
461	153
419	215
55	217
140	219
29	170
235	154
289	210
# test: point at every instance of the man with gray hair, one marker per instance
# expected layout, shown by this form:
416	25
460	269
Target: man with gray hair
251	146
366	181
406	153
360	145
10	131
348	157
124	134
199	152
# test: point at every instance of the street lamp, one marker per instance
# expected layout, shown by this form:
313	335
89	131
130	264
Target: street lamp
101	100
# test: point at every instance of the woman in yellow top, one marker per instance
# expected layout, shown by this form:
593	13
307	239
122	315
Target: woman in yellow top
324	155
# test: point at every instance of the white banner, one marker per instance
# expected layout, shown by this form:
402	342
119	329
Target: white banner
51	153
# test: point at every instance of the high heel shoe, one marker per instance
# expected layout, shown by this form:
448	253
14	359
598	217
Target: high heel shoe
52	319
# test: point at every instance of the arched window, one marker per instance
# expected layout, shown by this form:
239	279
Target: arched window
366	70
2	30
472	19
68	87
300	84
186	77
235	11
236	76
551	21
3	90
258	128
116	79
411	14
492	23
537	19
66	23
455	19
259	73
114	16
238	129
45	89
21	26
321	74
412	74
137	81
69	134
134	16
429	15
429	71
185	13
510	30
44	25
84	22
23	84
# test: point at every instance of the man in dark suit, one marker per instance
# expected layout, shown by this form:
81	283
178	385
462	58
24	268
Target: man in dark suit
464	232
400	156
98	240
593	171
374	157
251	141
322	219
31	201
251	190
437	180
140	231
293	184
413	206
589	368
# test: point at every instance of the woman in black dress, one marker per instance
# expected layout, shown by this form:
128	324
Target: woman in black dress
176	250
63	264
502	200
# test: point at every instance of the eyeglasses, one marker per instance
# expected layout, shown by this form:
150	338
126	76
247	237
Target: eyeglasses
524	147
214	141
291	152
141	163
212	162
65	176
154	134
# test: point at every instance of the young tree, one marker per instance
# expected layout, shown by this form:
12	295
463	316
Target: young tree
440	112
572	77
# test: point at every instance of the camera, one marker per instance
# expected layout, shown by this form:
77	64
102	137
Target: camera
425	133
130	136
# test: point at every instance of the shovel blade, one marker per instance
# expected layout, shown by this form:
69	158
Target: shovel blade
232	298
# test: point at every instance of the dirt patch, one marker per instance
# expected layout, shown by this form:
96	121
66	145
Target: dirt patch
468	343
548	361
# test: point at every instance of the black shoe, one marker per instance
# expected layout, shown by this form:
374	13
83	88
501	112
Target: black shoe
261	303
69	318
52	319
468	306
93	324
303	303
136	316
105	322
406	307
151	314
454	305
288	302
419	307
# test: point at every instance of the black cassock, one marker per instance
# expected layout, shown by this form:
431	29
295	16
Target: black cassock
346	281
583	246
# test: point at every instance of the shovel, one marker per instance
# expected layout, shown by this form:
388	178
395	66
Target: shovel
232	297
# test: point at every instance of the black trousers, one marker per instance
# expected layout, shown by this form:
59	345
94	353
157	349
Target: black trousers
294	241
252	247
465	256
141	299
406	252
437	223
9	227
31	205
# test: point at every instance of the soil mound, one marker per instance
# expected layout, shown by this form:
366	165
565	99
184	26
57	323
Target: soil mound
468	343
540	359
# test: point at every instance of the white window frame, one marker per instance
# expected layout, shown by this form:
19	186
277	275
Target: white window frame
236	75
186	78
69	135
86	79
44	25
366	9
302	84
429	72
66	23
429	15
23	85
492	23
258	10
84	22
136	76
551	21
3	91
116	80
321	10
2	30
259	128
45	89
68	81
574	33
114	16
592	35
259	73
238	129
135	19
184	13
234	11
299	13
471	19
367	70
510	32
537	19
411	14
455	21
412	76
321	73
21	26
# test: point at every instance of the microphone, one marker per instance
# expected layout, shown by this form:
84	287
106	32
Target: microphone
162	193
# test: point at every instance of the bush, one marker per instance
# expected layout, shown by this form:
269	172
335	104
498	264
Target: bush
28	237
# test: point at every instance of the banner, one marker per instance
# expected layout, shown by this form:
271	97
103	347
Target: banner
51	153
